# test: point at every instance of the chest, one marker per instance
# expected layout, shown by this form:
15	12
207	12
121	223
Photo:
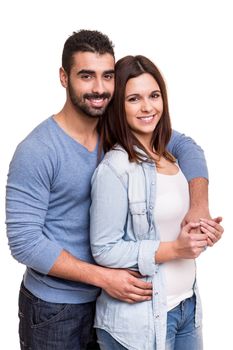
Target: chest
155	200
72	179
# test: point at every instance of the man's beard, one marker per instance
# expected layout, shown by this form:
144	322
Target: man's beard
79	103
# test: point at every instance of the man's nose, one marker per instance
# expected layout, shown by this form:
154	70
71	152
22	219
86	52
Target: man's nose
98	86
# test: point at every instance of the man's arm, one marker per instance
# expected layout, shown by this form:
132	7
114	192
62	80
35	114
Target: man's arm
27	201
192	161
190	157
199	206
122	284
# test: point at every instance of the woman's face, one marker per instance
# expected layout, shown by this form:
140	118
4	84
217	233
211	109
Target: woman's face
143	105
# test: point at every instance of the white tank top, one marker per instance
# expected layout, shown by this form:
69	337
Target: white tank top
172	203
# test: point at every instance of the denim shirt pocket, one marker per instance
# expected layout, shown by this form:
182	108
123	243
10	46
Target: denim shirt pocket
138	211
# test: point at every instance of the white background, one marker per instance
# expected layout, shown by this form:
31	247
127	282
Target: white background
191	42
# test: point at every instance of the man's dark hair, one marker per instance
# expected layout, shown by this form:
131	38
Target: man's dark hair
85	41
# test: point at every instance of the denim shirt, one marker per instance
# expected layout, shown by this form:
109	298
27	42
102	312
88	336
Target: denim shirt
124	234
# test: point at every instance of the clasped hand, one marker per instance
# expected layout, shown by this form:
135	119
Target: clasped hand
195	237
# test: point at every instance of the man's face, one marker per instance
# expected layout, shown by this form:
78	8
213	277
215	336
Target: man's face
91	82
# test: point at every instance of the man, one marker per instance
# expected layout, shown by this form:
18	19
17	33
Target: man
48	199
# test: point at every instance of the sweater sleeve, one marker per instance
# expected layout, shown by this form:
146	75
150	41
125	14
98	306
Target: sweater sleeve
27	198
190	156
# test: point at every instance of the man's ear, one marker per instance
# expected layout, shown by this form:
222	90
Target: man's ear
63	77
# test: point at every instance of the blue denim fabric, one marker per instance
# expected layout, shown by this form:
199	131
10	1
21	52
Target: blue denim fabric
181	331
106	341
53	326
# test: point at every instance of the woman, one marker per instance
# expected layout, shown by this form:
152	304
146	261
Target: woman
139	198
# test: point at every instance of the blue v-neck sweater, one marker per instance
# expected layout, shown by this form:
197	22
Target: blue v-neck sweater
48	200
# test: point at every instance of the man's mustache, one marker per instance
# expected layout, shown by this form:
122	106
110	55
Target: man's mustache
97	96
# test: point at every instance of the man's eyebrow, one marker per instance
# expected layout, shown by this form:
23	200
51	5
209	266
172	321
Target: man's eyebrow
110	71
86	71
89	71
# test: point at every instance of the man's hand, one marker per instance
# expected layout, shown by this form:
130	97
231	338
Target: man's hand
201	214
213	229
199	208
194	214
126	285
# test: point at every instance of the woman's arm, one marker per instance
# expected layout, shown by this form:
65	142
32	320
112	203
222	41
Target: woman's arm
110	245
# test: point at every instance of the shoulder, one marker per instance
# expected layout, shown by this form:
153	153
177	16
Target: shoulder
43	137
115	165
37	148
42	134
118	160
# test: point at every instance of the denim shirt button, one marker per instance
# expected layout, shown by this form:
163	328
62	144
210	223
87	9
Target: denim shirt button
151	207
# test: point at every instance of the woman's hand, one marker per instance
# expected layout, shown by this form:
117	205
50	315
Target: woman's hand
189	244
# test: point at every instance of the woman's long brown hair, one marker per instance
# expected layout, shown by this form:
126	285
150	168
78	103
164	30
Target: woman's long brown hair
114	128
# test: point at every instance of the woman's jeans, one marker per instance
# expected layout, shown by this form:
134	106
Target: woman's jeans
53	326
181	331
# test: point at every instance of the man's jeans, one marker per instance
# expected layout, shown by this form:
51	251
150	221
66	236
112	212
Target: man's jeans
53	326
181	331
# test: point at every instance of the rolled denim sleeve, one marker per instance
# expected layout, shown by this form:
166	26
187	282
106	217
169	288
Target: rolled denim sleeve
146	257
190	156
110	244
